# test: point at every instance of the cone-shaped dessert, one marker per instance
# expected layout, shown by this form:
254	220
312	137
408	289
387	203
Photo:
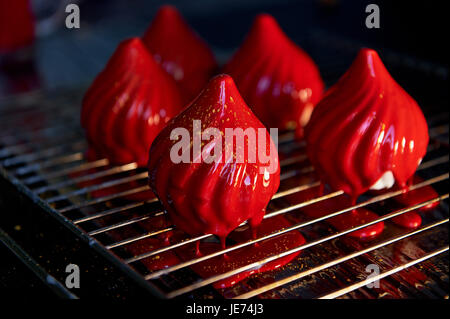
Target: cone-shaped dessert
277	79
366	132
180	51
127	105
16	25
203	194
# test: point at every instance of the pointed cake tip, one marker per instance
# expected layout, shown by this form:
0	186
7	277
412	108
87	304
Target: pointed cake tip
368	55
265	20
224	85
133	43
223	81
222	78
134	51
168	13
369	60
266	31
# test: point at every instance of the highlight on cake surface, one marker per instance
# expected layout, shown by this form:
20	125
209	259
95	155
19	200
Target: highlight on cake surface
214	197
180	51
127	105
366	132
278	80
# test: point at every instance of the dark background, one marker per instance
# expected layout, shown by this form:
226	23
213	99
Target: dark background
72	57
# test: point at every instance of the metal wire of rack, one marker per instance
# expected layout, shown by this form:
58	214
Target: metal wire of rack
44	161
42	150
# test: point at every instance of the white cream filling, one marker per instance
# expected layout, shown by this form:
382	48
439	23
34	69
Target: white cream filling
387	180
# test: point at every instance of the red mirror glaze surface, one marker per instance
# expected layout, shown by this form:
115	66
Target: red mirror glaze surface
277	79
212	198
180	51
418	196
342	222
16	25
366	125
127	105
411	198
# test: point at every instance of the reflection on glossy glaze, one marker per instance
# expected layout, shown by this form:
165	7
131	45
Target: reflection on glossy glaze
410	198
249	254
343	221
213	198
277	79
128	103
366	125
16	25
408	220
419	195
180	51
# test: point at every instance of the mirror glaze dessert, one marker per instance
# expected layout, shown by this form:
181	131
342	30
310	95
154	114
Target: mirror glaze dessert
215	198
277	79
180	51
17	25
128	104
366	132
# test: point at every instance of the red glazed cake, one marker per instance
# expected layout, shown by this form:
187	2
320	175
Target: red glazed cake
366	132
277	79
127	105
180	51
215	197
16	25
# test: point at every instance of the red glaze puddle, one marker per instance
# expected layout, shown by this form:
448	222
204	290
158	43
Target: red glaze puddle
247	255
418	196
341	222
408	220
412	219
356	218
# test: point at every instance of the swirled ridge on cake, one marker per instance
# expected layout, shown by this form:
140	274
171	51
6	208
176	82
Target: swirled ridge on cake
366	132
277	79
180	51
216	197
127	105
